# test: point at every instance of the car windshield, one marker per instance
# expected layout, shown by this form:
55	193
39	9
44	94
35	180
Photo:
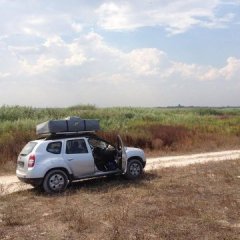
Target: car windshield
28	148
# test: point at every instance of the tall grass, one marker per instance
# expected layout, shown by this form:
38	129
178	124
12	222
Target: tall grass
123	118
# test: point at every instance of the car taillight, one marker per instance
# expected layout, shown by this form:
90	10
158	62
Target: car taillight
31	160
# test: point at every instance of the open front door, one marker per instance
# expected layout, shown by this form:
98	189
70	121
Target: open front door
121	148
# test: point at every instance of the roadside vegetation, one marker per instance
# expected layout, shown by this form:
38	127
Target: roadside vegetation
194	202
159	131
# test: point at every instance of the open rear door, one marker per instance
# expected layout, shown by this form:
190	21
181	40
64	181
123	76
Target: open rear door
124	154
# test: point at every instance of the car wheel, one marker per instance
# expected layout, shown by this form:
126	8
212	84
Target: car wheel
134	169
55	181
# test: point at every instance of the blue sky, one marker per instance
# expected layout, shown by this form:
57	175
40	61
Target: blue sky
120	53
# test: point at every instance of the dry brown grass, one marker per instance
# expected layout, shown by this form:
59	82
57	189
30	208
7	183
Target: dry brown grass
11	144
195	202
159	140
2	189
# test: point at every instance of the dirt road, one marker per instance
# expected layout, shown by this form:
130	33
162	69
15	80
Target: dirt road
9	184
184	160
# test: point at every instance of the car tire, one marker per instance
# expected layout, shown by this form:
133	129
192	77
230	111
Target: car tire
55	181
134	169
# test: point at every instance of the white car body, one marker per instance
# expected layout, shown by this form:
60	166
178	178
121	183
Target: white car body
39	157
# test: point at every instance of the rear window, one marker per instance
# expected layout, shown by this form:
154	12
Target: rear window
54	147
28	148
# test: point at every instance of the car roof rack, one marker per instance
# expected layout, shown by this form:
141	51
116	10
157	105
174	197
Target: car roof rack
60	135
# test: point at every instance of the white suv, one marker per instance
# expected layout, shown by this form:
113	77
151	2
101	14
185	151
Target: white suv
53	162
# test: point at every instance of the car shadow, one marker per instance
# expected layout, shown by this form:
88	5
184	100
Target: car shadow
99	184
102	184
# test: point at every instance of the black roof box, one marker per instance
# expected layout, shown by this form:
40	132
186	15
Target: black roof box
68	125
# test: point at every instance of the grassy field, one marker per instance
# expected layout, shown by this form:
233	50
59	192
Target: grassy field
195	202
158	131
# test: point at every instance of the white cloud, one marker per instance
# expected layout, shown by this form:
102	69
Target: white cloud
54	41
47	19
98	57
76	57
114	16
77	27
4	75
180	71
147	61
232	69
109	63
220	22
210	74
43	64
230	72
175	16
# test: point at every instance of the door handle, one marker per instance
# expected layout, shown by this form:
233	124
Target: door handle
70	159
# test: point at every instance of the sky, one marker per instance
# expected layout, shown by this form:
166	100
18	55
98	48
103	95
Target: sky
146	53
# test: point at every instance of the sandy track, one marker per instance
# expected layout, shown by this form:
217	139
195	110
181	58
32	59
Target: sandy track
9	184
184	160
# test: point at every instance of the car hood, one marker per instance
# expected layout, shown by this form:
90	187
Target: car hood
135	152
129	149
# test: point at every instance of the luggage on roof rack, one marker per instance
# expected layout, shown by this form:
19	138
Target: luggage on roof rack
68	125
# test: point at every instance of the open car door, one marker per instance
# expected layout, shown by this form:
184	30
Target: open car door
122	150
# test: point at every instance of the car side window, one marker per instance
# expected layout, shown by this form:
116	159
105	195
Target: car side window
76	146
54	147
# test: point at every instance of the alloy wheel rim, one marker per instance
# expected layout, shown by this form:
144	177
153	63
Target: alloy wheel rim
135	169
56	182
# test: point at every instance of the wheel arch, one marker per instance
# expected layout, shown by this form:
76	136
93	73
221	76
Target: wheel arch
70	177
137	158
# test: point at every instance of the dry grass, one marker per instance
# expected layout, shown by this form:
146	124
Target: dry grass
195	202
2	189
159	140
11	144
